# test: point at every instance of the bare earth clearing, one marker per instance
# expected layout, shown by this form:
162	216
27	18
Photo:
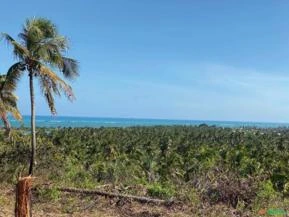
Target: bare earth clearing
97	206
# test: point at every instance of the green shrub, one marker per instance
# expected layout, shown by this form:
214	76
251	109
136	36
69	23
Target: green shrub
48	194
160	191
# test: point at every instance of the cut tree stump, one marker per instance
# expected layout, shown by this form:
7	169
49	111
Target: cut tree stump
23	191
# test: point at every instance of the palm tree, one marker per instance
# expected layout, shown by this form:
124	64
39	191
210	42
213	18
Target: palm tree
8	104
39	53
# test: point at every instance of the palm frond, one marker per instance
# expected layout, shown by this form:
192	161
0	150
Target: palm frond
49	50
70	68
2	81
14	112
8	102
13	76
47	87
37	29
9	99
44	25
19	51
57	43
60	84
51	85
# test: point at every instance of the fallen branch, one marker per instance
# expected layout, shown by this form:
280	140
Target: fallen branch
111	195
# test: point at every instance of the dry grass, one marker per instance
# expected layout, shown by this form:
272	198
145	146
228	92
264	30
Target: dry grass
69	205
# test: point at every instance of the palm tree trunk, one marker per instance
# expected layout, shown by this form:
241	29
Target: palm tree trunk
33	133
7	124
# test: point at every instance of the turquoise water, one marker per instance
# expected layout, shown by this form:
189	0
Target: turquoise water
61	121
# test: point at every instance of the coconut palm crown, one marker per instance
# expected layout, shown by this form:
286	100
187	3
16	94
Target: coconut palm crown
40	53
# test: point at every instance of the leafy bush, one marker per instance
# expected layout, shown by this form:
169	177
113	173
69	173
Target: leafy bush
160	191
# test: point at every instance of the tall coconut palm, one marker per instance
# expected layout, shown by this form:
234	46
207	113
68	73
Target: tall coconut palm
40	53
8	104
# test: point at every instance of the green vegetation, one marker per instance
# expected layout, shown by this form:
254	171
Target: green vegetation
242	168
39	52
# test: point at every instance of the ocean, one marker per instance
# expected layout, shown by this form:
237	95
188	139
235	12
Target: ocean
63	121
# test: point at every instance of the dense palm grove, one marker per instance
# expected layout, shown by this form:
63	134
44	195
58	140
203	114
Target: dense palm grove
238	167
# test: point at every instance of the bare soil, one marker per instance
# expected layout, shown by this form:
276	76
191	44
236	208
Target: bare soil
96	206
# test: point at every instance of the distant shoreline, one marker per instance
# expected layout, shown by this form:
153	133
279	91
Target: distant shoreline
96	122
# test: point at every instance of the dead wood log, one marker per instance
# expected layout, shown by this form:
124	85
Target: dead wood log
116	195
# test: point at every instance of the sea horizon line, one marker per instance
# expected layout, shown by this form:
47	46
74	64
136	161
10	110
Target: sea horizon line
161	119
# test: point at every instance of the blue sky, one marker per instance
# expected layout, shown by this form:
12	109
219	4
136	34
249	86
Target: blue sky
206	60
